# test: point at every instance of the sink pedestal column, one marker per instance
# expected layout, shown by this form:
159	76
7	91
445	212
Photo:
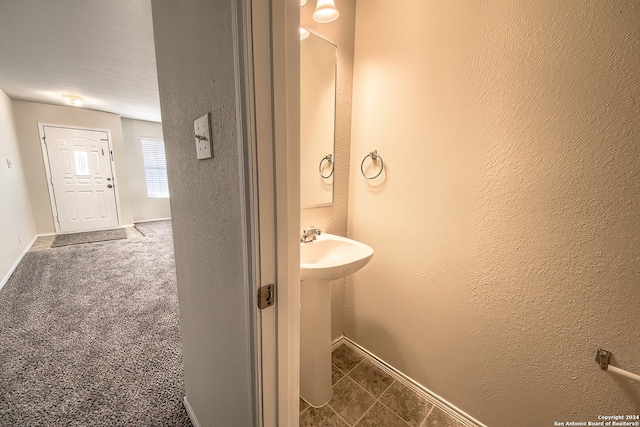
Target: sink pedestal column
315	341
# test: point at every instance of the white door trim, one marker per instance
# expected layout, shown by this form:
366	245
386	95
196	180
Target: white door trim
285	91
274	63
45	160
247	149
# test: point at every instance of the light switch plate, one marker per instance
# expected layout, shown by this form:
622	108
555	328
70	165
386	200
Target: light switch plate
202	128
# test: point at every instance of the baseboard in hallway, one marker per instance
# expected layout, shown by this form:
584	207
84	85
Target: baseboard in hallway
142	221
15	265
401	377
192	415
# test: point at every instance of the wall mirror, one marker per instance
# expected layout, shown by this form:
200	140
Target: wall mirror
317	120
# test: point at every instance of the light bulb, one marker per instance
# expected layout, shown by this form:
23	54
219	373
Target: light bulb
304	33
303	2
325	11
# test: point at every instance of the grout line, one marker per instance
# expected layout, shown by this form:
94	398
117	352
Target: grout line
333	385
433	405
354	368
387	389
394	377
447	407
365	412
377	400
394	413
350	370
339	416
424	422
420	424
367	391
341	371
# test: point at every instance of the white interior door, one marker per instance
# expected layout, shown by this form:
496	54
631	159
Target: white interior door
81	178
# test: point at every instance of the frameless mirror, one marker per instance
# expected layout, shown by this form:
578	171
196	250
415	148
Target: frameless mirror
317	120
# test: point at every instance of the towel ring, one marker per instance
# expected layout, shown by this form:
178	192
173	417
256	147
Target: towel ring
328	158
374	156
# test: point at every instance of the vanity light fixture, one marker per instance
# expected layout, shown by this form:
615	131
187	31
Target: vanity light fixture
72	100
325	11
304	33
303	2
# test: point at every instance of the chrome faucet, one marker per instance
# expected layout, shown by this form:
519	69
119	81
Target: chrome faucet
309	234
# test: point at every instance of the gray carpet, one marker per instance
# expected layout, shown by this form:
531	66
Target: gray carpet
89	336
89	237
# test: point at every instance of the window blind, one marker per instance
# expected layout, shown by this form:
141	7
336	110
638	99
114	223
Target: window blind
155	167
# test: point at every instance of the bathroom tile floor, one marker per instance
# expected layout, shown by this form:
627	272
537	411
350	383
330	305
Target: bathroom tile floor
366	396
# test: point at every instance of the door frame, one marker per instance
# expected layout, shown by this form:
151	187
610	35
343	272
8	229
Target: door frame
254	264
285	44
49	178
266	45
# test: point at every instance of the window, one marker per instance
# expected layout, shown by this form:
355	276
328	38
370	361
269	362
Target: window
81	160
155	167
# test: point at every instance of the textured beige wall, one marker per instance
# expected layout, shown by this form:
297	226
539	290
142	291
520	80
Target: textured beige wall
506	224
27	116
144	208
333	219
194	54
17	229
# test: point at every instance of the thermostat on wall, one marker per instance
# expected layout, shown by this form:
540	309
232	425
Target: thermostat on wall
202	128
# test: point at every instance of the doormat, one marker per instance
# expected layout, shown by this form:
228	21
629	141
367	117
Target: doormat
89	237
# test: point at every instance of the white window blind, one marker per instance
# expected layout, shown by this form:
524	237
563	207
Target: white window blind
155	167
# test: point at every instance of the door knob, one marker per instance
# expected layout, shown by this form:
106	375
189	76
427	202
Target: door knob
109	186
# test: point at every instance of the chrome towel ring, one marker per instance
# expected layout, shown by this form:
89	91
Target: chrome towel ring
374	157
328	158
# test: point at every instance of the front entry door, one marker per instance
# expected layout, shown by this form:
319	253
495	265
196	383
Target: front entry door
81	176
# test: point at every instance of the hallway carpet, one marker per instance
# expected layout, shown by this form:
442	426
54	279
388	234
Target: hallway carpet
89	336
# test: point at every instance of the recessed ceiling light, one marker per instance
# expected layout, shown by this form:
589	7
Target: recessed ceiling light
73	100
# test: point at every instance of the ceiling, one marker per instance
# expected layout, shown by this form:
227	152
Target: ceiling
101	51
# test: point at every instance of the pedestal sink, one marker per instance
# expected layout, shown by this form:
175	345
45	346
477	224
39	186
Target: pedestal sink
327	258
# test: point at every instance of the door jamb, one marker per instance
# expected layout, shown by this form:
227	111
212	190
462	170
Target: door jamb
274	25
248	180
48	177
285	40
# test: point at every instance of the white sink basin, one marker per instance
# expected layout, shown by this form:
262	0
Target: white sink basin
327	258
332	257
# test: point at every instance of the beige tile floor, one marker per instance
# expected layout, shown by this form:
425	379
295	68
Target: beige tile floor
366	396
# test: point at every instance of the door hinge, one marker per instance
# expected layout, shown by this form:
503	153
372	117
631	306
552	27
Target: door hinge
266	296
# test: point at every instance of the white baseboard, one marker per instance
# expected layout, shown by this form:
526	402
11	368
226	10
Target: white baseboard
151	220
46	234
432	397
192	415
15	264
